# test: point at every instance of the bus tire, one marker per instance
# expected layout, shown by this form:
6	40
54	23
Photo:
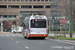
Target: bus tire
25	37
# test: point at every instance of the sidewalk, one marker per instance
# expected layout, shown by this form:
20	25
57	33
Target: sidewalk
4	32
67	35
67	41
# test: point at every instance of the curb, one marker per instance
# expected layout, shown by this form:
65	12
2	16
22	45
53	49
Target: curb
4	32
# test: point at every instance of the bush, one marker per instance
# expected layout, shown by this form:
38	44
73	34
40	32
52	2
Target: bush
61	37
55	29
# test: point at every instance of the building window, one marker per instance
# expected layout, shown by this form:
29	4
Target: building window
54	15
53	6
12	16
1	0
50	0
5	0
34	0
55	11
3	6
47	7
11	6
9	0
26	6
22	0
46	0
38	0
26	0
38	6
13	0
30	0
17	0
42	0
5	16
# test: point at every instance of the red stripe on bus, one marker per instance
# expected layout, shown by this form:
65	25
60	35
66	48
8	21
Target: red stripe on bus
38	35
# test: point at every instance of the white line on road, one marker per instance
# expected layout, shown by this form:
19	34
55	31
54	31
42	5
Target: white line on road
63	41
17	42
26	47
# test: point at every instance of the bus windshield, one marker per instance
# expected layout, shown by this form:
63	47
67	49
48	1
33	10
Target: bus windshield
38	23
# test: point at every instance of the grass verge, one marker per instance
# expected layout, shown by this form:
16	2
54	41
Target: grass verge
61	37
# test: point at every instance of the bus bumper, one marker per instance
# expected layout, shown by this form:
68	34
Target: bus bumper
38	35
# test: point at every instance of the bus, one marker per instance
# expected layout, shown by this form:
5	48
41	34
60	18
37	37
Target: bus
35	26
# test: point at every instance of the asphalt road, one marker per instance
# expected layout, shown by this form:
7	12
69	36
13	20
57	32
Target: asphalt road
18	42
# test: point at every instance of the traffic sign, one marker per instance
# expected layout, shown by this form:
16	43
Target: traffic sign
63	21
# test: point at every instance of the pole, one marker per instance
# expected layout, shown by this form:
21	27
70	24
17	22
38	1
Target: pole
49	26
70	18
2	25
56	17
54	26
65	31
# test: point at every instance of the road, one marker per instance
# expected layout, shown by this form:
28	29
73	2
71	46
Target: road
18	42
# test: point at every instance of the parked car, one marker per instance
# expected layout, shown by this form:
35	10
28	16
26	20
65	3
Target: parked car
18	30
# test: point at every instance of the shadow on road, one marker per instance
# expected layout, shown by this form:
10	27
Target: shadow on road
36	38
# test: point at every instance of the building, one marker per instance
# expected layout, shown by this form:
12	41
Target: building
12	10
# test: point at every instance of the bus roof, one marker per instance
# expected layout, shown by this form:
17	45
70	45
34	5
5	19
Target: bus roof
36	17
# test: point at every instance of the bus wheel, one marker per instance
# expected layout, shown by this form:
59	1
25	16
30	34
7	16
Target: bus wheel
25	37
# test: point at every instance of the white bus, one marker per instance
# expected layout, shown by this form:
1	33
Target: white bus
35	26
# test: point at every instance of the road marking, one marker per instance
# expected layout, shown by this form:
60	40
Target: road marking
17	42
63	41
26	47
